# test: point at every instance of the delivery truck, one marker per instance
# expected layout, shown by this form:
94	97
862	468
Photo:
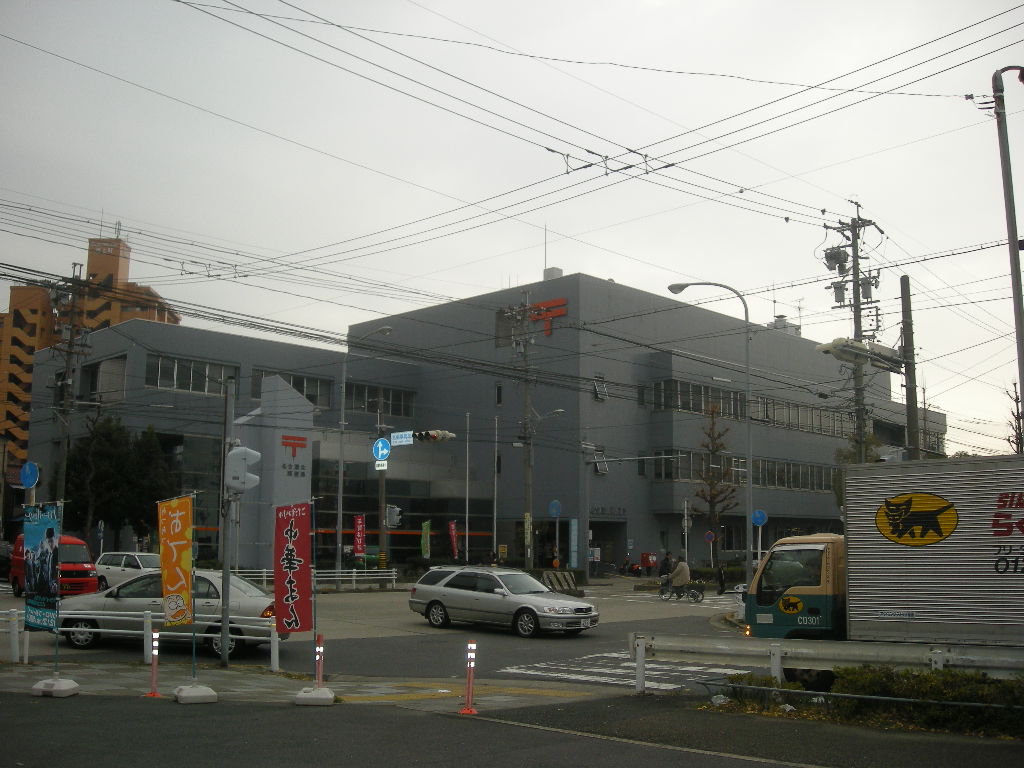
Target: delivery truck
933	552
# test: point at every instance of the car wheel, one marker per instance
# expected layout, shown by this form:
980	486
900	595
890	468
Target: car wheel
16	588
234	644
102	583
437	616
81	633
525	624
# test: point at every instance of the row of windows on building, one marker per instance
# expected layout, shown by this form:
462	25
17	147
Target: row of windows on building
679	395
199	376
676	464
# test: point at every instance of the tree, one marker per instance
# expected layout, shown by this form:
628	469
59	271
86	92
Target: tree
717	489
116	477
1016	436
849	455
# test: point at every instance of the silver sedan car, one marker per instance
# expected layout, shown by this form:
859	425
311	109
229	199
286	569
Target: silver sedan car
84	618
500	596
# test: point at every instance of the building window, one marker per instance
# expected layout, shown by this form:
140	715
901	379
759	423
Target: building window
314	389
371	399
188	375
497	393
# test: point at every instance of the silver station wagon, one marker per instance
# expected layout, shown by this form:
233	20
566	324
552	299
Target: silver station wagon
502	596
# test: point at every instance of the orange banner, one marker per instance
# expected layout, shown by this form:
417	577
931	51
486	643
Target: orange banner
175	521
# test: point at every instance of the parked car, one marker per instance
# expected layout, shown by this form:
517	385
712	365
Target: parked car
500	596
76	569
121	608
112	568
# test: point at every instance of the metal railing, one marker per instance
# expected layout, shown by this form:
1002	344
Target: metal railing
998	661
348	578
243	628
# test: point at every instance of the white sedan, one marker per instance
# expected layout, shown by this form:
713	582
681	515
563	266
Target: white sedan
85	617
114	567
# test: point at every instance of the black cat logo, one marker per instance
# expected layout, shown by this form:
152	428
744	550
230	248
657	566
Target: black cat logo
791	605
916	519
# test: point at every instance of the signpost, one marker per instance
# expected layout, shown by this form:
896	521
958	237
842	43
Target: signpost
555	510
759	517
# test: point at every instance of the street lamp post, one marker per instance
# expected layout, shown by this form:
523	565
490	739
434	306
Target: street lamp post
384	330
679	288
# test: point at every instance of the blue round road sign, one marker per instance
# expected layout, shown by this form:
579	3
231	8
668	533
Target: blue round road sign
555	508
381	449
29	474
709	536
759	517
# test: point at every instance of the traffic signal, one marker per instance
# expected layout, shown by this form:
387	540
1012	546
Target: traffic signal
394	516
237	476
433	435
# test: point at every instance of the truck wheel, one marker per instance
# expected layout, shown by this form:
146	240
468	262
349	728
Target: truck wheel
16	588
101	584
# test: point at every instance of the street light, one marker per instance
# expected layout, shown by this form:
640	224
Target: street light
384	330
679	288
530	427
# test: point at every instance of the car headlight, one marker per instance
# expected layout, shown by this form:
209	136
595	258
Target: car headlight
560	609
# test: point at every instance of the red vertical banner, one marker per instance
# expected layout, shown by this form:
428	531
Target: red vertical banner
359	548
174	520
454	536
293	572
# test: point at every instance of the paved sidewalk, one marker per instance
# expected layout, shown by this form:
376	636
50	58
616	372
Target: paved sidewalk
242	682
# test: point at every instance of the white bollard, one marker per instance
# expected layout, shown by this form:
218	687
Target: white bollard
24	646
147	633
275	651
640	645
12	629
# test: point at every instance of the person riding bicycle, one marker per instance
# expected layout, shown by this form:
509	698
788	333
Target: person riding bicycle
665	567
679	578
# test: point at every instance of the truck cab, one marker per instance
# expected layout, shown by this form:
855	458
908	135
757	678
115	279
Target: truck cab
799	590
77	571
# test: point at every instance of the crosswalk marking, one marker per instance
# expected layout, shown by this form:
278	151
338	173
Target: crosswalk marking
619	669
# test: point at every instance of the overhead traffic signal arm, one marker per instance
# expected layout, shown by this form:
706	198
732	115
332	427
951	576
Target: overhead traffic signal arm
433	435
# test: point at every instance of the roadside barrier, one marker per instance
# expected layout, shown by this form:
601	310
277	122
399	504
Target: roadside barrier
467	709
561	581
350	578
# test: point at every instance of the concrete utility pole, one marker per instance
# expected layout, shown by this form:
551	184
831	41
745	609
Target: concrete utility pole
910	369
860	285
1011	214
69	348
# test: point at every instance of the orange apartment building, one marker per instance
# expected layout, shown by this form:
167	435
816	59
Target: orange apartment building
37	319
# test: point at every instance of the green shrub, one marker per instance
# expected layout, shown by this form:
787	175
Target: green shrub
938	686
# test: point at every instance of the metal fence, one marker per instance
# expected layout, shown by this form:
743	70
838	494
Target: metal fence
343	579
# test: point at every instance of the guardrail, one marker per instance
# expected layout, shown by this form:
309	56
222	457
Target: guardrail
262	630
997	661
353	578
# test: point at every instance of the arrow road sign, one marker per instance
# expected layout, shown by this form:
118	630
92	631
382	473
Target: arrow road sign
381	449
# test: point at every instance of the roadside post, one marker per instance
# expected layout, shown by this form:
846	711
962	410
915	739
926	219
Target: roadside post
470	666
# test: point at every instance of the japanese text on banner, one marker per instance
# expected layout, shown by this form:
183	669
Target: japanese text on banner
293	573
175	524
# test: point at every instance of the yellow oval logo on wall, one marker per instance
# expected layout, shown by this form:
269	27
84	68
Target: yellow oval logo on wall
916	519
791	605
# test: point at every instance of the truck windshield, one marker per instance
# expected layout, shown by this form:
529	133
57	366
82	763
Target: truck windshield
74	553
789	567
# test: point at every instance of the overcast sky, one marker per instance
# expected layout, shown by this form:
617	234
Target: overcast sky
330	162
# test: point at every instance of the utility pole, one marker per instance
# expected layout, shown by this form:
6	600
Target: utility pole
69	348
910	368
836	258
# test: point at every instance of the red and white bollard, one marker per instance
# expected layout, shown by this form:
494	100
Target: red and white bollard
470	666
319	661
155	653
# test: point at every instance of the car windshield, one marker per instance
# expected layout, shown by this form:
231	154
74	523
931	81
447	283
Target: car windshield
247	588
74	553
149	559
522	584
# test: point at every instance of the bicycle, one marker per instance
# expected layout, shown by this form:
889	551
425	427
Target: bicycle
694	591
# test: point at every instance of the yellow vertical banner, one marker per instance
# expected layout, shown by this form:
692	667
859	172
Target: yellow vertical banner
175	525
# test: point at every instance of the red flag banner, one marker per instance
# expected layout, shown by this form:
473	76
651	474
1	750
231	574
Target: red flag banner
454	536
293	572
174	518
359	548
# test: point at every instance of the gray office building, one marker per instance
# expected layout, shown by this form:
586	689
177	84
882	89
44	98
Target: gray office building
588	397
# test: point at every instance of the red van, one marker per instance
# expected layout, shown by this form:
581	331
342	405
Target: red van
77	569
